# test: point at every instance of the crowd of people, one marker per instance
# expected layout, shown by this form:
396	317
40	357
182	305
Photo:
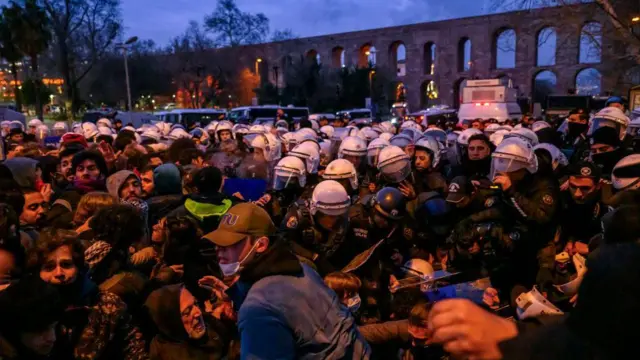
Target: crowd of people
322	239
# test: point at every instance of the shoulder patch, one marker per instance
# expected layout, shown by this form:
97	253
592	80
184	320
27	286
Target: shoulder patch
292	222
547	199
489	202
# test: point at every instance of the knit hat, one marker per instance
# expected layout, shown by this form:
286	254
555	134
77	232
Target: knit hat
96	253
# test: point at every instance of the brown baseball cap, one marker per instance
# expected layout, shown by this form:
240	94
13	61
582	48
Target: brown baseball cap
242	220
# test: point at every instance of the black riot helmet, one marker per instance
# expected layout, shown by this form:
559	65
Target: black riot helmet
434	213
389	202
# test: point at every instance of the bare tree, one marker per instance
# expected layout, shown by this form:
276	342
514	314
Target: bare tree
282	35
233	27
84	33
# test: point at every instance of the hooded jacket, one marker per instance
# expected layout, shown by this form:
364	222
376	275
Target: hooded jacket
172	341
167	192
206	210
286	311
115	182
23	170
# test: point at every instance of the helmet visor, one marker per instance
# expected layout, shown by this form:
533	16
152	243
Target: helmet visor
372	156
504	165
396	170
284	178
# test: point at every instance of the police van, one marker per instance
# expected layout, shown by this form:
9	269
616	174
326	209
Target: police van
188	117
489	99
422	117
265	114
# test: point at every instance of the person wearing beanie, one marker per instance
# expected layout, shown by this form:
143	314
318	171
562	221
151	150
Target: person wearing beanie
605	149
167	192
89	171
208	203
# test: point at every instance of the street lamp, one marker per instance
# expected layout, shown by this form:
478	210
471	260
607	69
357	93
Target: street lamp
124	47
635	19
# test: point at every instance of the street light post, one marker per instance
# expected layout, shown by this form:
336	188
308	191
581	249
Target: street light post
125	46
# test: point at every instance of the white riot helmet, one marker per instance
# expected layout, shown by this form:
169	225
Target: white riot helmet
452	139
410	124
352	146
433	146
539	125
368	134
103	130
60	128
512	155
257	129
532	304
42	131
224	126
437	134
289	169
394	164
289	139
417	273
282	123
306	133
463	138
240	129
517	126
387	126
178	133
104	122
165	128
269	145
374	149
341	169
524	134
505	127
314	125
308	153
386	136
401	140
557	157
626	173
327	130
491	129
610	117
414	134
329	198
76	127
34	123
497	137
325	152
89	130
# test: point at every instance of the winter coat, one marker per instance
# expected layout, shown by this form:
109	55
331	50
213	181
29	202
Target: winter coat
23	170
172	341
286	311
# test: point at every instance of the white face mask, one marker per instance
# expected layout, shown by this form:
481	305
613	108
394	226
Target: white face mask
354	303
233	268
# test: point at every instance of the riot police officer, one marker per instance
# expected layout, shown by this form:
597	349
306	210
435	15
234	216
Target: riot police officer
289	180
343	172
522	218
369	182
394	166
426	162
309	153
318	229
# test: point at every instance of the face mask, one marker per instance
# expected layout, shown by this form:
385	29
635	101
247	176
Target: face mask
575	129
233	268
354	303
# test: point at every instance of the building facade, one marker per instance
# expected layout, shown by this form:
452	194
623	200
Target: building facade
561	49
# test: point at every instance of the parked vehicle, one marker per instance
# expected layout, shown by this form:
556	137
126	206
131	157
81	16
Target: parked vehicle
489	99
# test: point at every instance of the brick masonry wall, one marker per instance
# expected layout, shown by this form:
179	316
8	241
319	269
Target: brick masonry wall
446	35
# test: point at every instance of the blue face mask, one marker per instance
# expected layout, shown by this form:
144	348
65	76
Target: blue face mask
354	303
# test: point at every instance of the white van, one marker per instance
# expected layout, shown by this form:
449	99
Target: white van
488	99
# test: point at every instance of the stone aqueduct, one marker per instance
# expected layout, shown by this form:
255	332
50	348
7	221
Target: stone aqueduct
478	36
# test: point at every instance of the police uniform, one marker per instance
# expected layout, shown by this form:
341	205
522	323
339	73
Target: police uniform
328	250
